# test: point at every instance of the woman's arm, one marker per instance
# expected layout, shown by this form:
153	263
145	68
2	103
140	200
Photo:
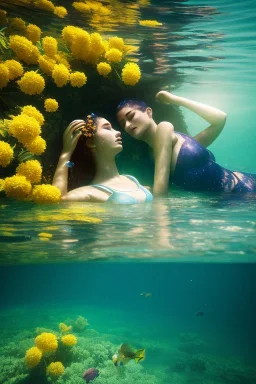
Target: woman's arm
163	155
214	116
78	194
70	139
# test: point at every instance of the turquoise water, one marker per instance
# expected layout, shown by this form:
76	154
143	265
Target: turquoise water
192	253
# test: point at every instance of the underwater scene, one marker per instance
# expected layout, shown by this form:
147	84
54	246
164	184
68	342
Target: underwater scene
154	293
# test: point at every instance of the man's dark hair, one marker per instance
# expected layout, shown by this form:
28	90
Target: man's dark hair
136	104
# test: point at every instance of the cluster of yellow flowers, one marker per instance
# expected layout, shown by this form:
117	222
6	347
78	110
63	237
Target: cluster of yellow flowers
47	5
47	343
9	70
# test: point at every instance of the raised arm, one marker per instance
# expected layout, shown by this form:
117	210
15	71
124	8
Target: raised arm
70	139
163	155
214	116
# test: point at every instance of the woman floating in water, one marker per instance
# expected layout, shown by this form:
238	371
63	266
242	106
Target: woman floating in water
104	143
180	159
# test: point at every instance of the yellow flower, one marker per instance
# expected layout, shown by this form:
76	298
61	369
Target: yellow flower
18	25
116	42
17	186
45	235
1	185
36	146
46	64
64	328
24	49
31	169
60	12
80	45
45	5
104	68
150	23
97	46
60	58
77	79
31	83
55	369
33	33
6	154
69	340
60	75
131	74
3	18
46	194
51	105
114	55
4	75
33	357
50	45
24	128
15	69
33	112
46	342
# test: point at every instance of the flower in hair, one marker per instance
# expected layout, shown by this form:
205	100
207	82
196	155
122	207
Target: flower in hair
89	128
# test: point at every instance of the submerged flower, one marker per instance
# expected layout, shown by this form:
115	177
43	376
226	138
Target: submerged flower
46	342
60	12
45	5
55	369
33	33
33	112
113	55
60	75
69	340
37	146
131	74
46	194
17	186
15	69
24	49
31	169
116	42
4	75
31	83
104	68
50	45
51	105
77	79
33	357
149	23
6	154
24	128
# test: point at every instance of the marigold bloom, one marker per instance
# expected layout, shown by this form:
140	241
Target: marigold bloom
131	74
31	83
15	69
33	357
55	369
4	75
6	154
36	146
46	64
60	58
24	128
113	55
45	5
60	12
46	342
69	340
149	23
24	49
33	112
77	79
104	68
17	186
60	75
33	33
18	25
50	45
116	42
31	169
46	194
51	105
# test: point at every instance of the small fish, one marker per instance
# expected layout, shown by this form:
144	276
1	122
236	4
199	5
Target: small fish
91	374
126	353
146	294
200	313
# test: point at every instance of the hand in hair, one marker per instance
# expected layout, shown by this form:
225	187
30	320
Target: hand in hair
72	135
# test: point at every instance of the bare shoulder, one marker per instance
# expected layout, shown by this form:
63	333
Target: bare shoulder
87	193
165	130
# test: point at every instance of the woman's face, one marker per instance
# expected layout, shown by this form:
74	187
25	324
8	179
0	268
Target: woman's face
106	139
134	121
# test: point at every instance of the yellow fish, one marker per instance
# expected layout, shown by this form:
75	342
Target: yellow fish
126	353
